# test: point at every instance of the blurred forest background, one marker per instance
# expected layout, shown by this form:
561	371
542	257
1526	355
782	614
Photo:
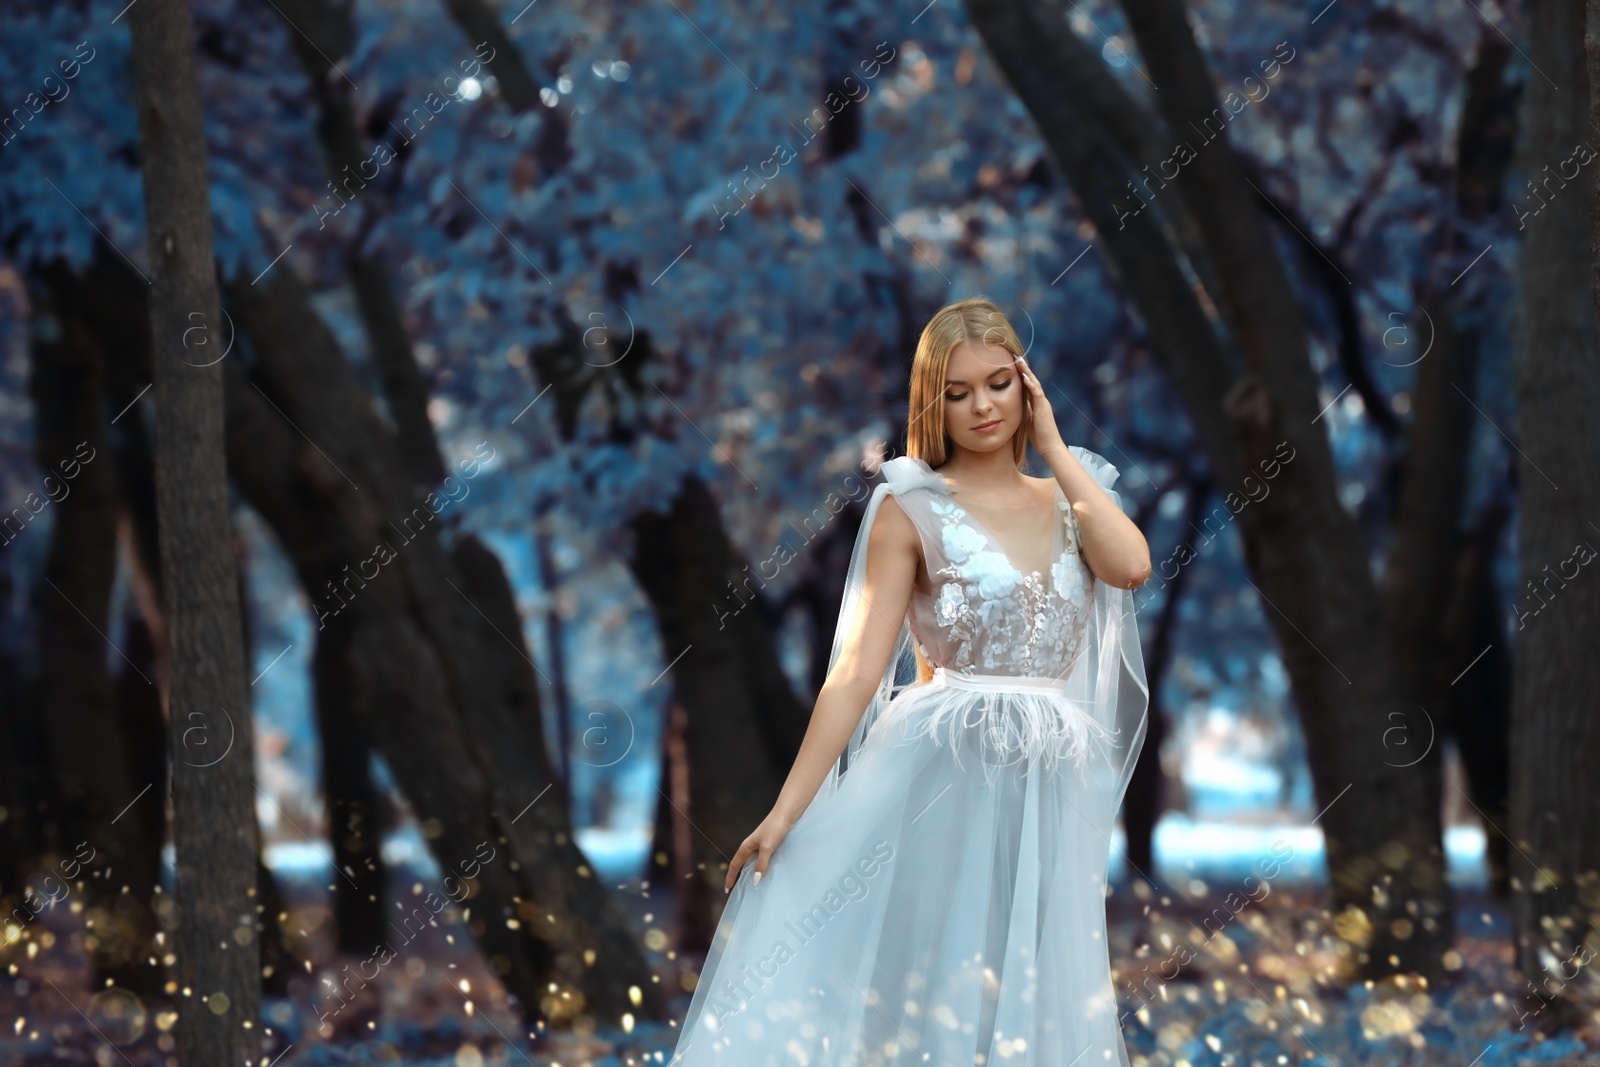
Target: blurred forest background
524	371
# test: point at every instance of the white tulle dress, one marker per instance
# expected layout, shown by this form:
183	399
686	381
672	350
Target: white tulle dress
942	898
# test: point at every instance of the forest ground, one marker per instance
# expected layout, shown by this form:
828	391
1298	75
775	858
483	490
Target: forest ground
1257	992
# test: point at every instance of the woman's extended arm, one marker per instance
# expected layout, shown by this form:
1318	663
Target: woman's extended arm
893	549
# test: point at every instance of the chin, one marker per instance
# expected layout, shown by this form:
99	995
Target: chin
982	442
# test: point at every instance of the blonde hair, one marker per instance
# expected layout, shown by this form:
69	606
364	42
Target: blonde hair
979	321
976	320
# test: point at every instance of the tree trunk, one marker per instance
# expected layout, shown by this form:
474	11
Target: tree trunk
672	859
1440	605
1555	732
414	616
683	562
820	590
403	386
75	693
482	27
743	721
329	530
1141	807
1387	836
1478	697
213	775
560	696
1418	577
330	33
355	830
24	780
144	732
1305	550
323	32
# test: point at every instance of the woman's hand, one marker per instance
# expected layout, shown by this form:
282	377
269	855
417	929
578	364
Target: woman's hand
1043	432
762	843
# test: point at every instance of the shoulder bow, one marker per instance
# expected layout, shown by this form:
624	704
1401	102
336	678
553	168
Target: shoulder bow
1099	469
908	472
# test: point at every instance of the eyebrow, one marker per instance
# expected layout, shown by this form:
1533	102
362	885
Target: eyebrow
991	374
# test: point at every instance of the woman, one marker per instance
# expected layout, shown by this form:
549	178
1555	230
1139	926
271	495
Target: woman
930	885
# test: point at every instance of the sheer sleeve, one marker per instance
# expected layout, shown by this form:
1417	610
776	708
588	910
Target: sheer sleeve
901	475
1108	679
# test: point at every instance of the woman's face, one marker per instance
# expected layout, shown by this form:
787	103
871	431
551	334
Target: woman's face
982	397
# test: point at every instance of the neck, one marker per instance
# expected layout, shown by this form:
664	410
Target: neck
981	468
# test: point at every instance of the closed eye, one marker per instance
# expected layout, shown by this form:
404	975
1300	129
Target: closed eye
997	387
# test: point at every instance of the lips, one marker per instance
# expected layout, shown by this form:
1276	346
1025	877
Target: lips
987	426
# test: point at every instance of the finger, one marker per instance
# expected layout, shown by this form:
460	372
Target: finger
1029	377
763	857
735	865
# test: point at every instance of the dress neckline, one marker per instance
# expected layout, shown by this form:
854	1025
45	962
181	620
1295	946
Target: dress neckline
1054	551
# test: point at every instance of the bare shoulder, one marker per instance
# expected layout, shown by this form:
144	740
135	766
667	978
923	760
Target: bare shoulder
1045	487
894	530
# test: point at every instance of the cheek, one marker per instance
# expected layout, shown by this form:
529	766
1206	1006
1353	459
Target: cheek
1008	402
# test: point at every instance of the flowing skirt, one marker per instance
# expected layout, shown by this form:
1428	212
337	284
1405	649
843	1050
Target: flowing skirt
945	905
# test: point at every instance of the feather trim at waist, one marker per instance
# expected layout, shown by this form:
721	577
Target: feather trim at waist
1009	719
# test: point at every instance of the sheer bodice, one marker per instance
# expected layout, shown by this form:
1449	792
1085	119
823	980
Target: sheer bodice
982	614
1069	642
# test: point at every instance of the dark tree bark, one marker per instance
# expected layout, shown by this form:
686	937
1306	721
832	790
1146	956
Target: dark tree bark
1388	834
141	714
139	721
1555	733
1305	550
355	828
1417	589
24	778
1439	597
111	496
322	31
1477	663
328	32
403	688
1141	807
682	561
144	732
213	781
744	723
390	346
482	26
75	693
782	717
674	856
560	697
844	46
820	589
428	661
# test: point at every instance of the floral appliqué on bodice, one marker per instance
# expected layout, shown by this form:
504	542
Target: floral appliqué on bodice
983	615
